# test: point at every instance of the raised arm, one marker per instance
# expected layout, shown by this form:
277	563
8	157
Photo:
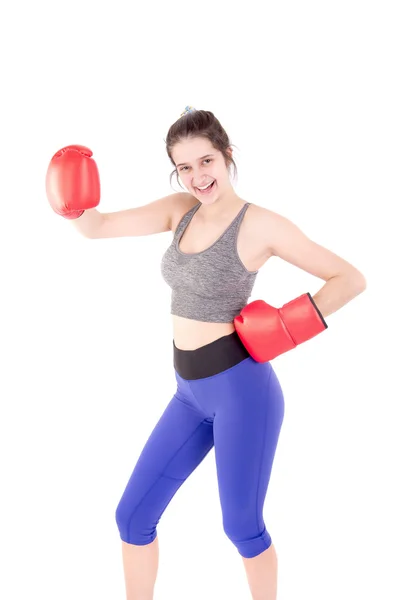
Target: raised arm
155	217
73	190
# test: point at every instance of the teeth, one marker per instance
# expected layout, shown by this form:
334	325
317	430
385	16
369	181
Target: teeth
204	188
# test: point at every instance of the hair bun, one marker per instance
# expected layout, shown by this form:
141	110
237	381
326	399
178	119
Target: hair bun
188	109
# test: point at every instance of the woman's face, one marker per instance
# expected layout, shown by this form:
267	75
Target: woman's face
199	164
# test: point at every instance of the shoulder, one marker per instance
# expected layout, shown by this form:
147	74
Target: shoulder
182	204
261	214
260	220
266	228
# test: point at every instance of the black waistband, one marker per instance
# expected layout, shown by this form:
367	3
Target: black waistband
211	359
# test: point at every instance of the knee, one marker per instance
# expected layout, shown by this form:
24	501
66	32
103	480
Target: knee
132	528
249	539
122	519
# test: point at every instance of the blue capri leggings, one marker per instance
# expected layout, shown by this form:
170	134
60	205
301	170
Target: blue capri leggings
226	400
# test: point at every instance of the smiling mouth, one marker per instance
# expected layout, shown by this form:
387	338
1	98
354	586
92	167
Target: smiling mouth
207	189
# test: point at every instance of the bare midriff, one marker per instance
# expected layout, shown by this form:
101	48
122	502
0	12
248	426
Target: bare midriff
190	334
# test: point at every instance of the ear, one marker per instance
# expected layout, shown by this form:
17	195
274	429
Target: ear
230	152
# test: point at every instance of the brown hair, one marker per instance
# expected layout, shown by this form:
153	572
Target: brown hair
199	123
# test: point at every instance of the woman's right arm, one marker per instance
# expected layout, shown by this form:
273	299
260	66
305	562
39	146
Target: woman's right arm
89	222
156	217
73	190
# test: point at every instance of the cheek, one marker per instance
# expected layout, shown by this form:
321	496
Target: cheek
185	178
222	175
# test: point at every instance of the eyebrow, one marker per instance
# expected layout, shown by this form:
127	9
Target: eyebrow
201	158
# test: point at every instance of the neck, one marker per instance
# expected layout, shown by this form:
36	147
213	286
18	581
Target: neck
225	205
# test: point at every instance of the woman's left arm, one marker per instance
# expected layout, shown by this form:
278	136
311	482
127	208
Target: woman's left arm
267	331
285	240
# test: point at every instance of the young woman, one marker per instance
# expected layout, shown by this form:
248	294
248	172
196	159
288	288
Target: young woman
228	396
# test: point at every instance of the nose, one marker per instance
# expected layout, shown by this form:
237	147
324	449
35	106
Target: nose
200	180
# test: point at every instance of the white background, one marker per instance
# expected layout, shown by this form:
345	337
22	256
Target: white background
309	94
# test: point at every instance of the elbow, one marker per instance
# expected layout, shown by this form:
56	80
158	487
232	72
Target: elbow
354	281
361	283
358	282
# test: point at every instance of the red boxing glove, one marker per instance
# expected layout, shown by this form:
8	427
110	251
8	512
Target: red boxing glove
73	182
266	331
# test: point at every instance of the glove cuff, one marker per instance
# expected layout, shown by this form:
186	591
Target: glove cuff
73	215
317	309
302	318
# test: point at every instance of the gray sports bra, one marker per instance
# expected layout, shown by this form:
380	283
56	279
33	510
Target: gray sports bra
212	285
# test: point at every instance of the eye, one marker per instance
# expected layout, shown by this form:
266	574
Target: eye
205	160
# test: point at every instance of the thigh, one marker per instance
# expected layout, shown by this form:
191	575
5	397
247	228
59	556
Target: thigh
247	425
177	445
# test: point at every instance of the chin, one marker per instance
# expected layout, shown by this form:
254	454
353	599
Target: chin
207	199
